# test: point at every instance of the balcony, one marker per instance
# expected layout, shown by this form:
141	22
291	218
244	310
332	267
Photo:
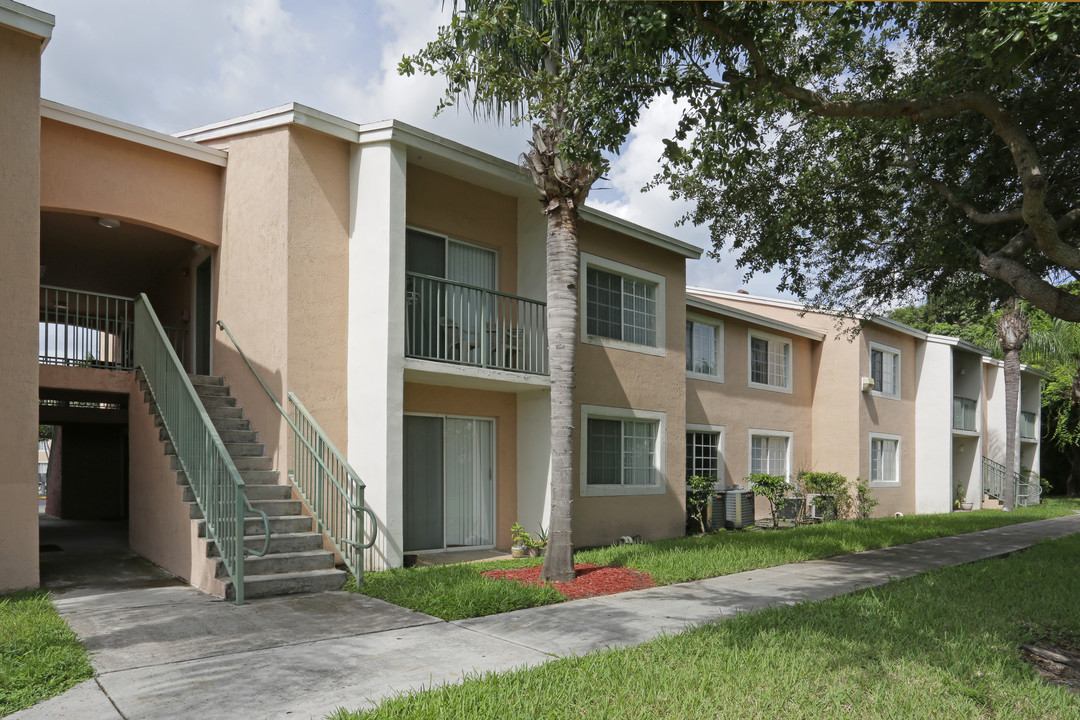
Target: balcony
462	324
1027	425
963	414
94	330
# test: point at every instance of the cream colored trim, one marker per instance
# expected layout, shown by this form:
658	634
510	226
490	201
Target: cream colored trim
751	433
887	350
131	133
899	448
789	370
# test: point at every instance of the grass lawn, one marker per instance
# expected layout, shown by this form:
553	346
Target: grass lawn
940	645
455	592
40	656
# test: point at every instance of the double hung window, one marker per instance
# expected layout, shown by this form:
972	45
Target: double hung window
884	460
703	453
703	348
770	454
770	362
885	370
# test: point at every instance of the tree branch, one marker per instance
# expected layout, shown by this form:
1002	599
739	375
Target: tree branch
973	213
1031	286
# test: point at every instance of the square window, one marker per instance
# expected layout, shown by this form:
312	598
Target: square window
623	451
769	454
623	306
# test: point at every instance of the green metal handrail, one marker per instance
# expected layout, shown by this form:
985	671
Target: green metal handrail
324	479
1028	488
210	471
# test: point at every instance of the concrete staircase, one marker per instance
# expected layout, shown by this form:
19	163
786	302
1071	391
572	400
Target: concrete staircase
296	561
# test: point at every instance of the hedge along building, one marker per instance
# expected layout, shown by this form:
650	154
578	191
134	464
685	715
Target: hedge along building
392	280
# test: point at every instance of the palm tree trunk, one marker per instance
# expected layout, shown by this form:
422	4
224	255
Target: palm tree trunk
1013	331
562	309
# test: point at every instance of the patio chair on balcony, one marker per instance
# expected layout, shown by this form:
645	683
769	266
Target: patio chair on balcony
451	341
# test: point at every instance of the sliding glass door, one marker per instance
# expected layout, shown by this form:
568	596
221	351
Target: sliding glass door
449	482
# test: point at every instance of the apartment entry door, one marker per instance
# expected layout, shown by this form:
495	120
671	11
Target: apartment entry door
449	482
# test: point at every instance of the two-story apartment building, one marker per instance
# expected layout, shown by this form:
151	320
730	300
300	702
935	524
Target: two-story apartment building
388	286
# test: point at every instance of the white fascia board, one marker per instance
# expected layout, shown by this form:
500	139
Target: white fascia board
638	232
958	343
795	305
26	19
131	133
787	328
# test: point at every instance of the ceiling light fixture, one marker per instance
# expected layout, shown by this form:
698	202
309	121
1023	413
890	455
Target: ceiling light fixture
108	223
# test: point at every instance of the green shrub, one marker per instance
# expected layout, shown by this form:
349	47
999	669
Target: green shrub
832	484
864	503
772	488
699	488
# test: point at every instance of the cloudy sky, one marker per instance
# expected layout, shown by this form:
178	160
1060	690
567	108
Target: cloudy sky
172	66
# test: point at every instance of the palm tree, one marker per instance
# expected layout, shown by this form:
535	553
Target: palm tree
542	62
1013	332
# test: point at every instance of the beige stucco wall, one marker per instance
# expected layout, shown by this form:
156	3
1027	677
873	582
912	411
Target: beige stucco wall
159	522
250	278
842	415
739	408
94	174
447	206
438	400
888	416
318	255
20	89
618	378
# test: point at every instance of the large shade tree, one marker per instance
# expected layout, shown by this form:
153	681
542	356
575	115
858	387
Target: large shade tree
552	65
873	153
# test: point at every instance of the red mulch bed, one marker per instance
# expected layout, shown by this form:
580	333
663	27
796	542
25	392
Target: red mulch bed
591	580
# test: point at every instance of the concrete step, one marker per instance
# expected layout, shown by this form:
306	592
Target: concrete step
279	543
250	477
231	424
245	449
283	562
254	493
238	436
254	525
224	412
256	586
242	464
218	401
204	391
272	508
206	380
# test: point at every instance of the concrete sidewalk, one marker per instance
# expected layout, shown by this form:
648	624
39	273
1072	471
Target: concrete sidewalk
171	652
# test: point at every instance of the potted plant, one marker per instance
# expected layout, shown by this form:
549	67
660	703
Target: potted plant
520	536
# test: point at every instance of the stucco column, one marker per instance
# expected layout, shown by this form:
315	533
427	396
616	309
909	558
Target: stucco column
377	337
933	428
22	32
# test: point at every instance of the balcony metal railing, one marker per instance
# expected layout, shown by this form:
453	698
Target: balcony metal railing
963	414
85	329
1027	425
458	323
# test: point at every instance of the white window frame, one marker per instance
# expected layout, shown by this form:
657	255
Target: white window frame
870	458
756	432
719	325
659	487
885	349
789	370
720	435
626	271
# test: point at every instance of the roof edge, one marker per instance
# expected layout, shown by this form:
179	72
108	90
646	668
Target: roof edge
132	133
736	314
28	20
